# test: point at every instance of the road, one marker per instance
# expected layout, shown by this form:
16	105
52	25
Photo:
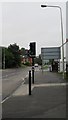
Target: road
12	79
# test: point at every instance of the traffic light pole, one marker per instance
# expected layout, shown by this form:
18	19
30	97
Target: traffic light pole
32	54
33	70
32	61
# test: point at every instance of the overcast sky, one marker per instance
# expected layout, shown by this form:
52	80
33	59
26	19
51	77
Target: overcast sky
25	22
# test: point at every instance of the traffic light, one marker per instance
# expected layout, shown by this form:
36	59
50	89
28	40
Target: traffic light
33	49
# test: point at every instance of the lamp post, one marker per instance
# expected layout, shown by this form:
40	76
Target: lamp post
61	32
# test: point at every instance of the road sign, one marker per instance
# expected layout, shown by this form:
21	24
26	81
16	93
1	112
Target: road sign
51	53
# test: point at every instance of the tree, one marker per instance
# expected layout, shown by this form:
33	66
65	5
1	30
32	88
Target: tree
9	58
38	60
23	51
14	49
3	57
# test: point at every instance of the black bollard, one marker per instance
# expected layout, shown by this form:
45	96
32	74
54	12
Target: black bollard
33	76
29	82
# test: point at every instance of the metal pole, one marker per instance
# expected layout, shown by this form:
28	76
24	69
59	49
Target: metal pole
61	33
42	64
29	82
33	70
33	75
32	61
62	42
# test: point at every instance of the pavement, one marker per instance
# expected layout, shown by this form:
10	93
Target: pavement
47	99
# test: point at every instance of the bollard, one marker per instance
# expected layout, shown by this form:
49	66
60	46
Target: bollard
29	82
33	75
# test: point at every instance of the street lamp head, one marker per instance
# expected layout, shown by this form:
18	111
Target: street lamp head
50	6
43	6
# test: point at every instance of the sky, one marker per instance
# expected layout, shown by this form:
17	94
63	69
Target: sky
25	22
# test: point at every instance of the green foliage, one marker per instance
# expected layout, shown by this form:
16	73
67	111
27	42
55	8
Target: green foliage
27	63
2	56
14	49
45	66
9	58
23	51
38	60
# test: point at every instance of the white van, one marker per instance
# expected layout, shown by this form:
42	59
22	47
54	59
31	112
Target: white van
36	65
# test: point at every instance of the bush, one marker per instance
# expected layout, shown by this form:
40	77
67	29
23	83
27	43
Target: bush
27	63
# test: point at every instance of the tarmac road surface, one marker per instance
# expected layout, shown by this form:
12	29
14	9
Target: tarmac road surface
12	79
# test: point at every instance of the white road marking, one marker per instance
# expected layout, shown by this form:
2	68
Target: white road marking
23	90
27	76
5	99
22	79
50	84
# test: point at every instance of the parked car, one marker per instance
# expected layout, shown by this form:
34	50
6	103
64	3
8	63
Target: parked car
36	65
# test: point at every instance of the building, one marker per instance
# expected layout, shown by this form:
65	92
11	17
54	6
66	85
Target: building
26	58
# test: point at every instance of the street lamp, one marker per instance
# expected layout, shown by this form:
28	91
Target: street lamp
61	32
